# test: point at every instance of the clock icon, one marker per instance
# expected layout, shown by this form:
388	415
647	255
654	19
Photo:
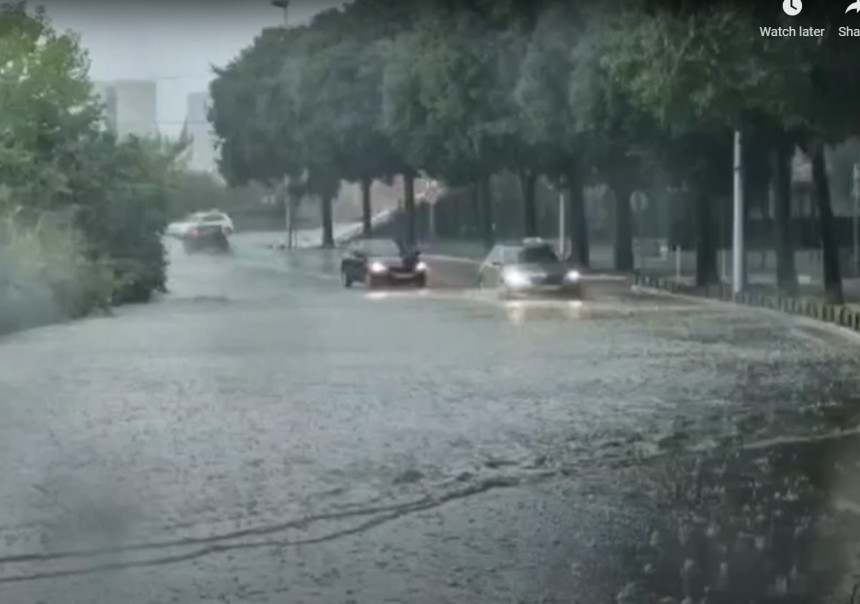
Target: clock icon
792	8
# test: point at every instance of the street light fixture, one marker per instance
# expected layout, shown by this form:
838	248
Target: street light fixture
284	5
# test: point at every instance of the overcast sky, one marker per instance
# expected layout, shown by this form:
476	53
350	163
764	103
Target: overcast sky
172	42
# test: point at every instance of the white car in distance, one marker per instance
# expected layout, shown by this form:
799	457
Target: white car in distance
181	228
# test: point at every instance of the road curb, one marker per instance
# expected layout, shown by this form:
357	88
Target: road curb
840	316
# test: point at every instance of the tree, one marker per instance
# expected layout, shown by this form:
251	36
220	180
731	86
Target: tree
48	103
699	79
442	106
103	197
254	109
551	124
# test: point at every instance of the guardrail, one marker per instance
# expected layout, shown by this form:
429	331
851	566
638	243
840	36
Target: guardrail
843	316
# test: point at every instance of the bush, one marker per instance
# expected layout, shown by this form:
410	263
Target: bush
47	274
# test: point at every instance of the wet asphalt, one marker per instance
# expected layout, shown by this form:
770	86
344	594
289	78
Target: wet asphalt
264	435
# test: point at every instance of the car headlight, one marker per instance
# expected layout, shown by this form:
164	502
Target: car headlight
421	267
378	267
515	278
572	276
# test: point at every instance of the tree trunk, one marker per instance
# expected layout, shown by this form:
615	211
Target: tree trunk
409	209
786	272
829	246
706	248
327	225
577	223
528	183
366	226
485	203
473	223
622	188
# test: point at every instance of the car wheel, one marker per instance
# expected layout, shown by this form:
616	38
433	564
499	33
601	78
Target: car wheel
421	281
344	277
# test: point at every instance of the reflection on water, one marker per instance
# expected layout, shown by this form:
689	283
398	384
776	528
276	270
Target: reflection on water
518	311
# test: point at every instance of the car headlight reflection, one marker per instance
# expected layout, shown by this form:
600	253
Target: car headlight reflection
572	276
378	267
516	278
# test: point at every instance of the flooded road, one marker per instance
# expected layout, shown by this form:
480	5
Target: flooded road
264	435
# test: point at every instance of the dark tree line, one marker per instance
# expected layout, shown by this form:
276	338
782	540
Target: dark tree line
626	94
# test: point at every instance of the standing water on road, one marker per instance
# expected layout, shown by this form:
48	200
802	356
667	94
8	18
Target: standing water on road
260	423
195	412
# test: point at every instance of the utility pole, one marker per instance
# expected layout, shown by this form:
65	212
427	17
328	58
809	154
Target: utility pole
562	237
854	234
288	202
738	254
284	5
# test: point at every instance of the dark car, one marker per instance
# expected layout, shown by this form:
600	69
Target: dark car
203	237
379	262
529	267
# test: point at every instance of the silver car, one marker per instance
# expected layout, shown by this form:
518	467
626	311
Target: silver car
528	268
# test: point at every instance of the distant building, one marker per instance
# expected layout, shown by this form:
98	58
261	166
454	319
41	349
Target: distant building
130	107
202	155
107	96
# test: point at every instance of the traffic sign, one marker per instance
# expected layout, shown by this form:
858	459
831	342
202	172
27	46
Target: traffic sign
638	201
431	191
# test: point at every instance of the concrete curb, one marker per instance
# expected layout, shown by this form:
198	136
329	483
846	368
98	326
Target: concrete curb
841	316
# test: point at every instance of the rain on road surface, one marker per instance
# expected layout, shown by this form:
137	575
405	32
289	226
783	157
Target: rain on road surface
265	435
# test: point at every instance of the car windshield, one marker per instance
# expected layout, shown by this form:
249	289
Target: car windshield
212	217
381	247
537	254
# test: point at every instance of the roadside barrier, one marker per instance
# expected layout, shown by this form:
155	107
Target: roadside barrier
843	316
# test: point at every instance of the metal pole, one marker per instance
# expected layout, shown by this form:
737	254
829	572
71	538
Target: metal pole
738	264
288	202
562	239
723	252
854	234
288	212
282	4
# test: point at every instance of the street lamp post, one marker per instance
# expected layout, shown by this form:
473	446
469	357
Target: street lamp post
284	5
855	194
288	202
738	259
559	187
562	236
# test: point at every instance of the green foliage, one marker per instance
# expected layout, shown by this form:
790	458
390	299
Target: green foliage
637	93
82	213
48	273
